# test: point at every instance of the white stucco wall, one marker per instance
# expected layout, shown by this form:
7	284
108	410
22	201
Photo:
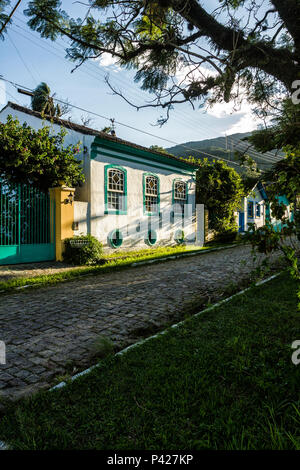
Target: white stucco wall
103	224
81	217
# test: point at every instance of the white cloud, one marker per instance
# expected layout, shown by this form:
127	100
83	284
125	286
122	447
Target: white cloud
246	123
186	74
107	60
246	119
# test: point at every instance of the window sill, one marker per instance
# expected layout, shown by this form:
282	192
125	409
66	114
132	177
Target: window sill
151	213
116	212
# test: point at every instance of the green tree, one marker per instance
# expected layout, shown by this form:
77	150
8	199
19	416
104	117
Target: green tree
37	157
43	102
284	180
157	148
283	131
217	52
220	188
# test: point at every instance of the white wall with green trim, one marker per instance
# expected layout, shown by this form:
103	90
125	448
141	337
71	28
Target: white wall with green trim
89	205
134	223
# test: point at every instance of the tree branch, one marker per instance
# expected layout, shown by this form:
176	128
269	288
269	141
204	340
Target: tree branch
10	16
289	12
269	59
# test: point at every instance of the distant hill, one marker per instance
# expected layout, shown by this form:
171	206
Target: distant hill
225	148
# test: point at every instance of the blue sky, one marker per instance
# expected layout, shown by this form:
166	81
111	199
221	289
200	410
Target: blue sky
27	59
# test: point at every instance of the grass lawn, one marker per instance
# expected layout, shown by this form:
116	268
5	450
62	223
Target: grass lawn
223	380
114	261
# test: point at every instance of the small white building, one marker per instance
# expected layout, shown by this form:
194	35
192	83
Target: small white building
132	197
252	209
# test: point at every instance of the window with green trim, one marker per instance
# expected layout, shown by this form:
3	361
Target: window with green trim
151	193
115	189
179	196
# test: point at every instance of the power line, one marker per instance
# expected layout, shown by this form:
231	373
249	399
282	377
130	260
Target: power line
21	58
237	142
9	94
125	125
269	159
267	156
187	121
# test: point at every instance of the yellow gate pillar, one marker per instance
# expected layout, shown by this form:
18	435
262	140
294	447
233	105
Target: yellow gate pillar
64	216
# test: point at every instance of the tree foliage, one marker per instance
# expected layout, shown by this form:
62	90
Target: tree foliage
221	189
284	130
6	15
184	51
37	157
158	148
284	180
43	102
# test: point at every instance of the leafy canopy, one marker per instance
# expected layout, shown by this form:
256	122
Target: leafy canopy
37	157
220	188
284	180
283	131
217	49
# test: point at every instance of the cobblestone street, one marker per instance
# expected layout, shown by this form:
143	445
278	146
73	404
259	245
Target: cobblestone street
15	271
47	328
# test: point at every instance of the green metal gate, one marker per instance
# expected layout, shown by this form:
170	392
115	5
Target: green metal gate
27	219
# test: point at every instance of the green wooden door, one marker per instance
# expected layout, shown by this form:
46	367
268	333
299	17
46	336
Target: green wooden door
26	225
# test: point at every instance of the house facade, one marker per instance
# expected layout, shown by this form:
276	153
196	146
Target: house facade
252	209
255	209
132	197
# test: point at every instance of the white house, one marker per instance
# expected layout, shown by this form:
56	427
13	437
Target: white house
255	209
132	197
252	209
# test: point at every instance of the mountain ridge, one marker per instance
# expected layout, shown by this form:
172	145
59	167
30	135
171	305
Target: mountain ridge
224	147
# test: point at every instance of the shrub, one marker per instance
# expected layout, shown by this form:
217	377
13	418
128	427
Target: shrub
227	237
82	250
